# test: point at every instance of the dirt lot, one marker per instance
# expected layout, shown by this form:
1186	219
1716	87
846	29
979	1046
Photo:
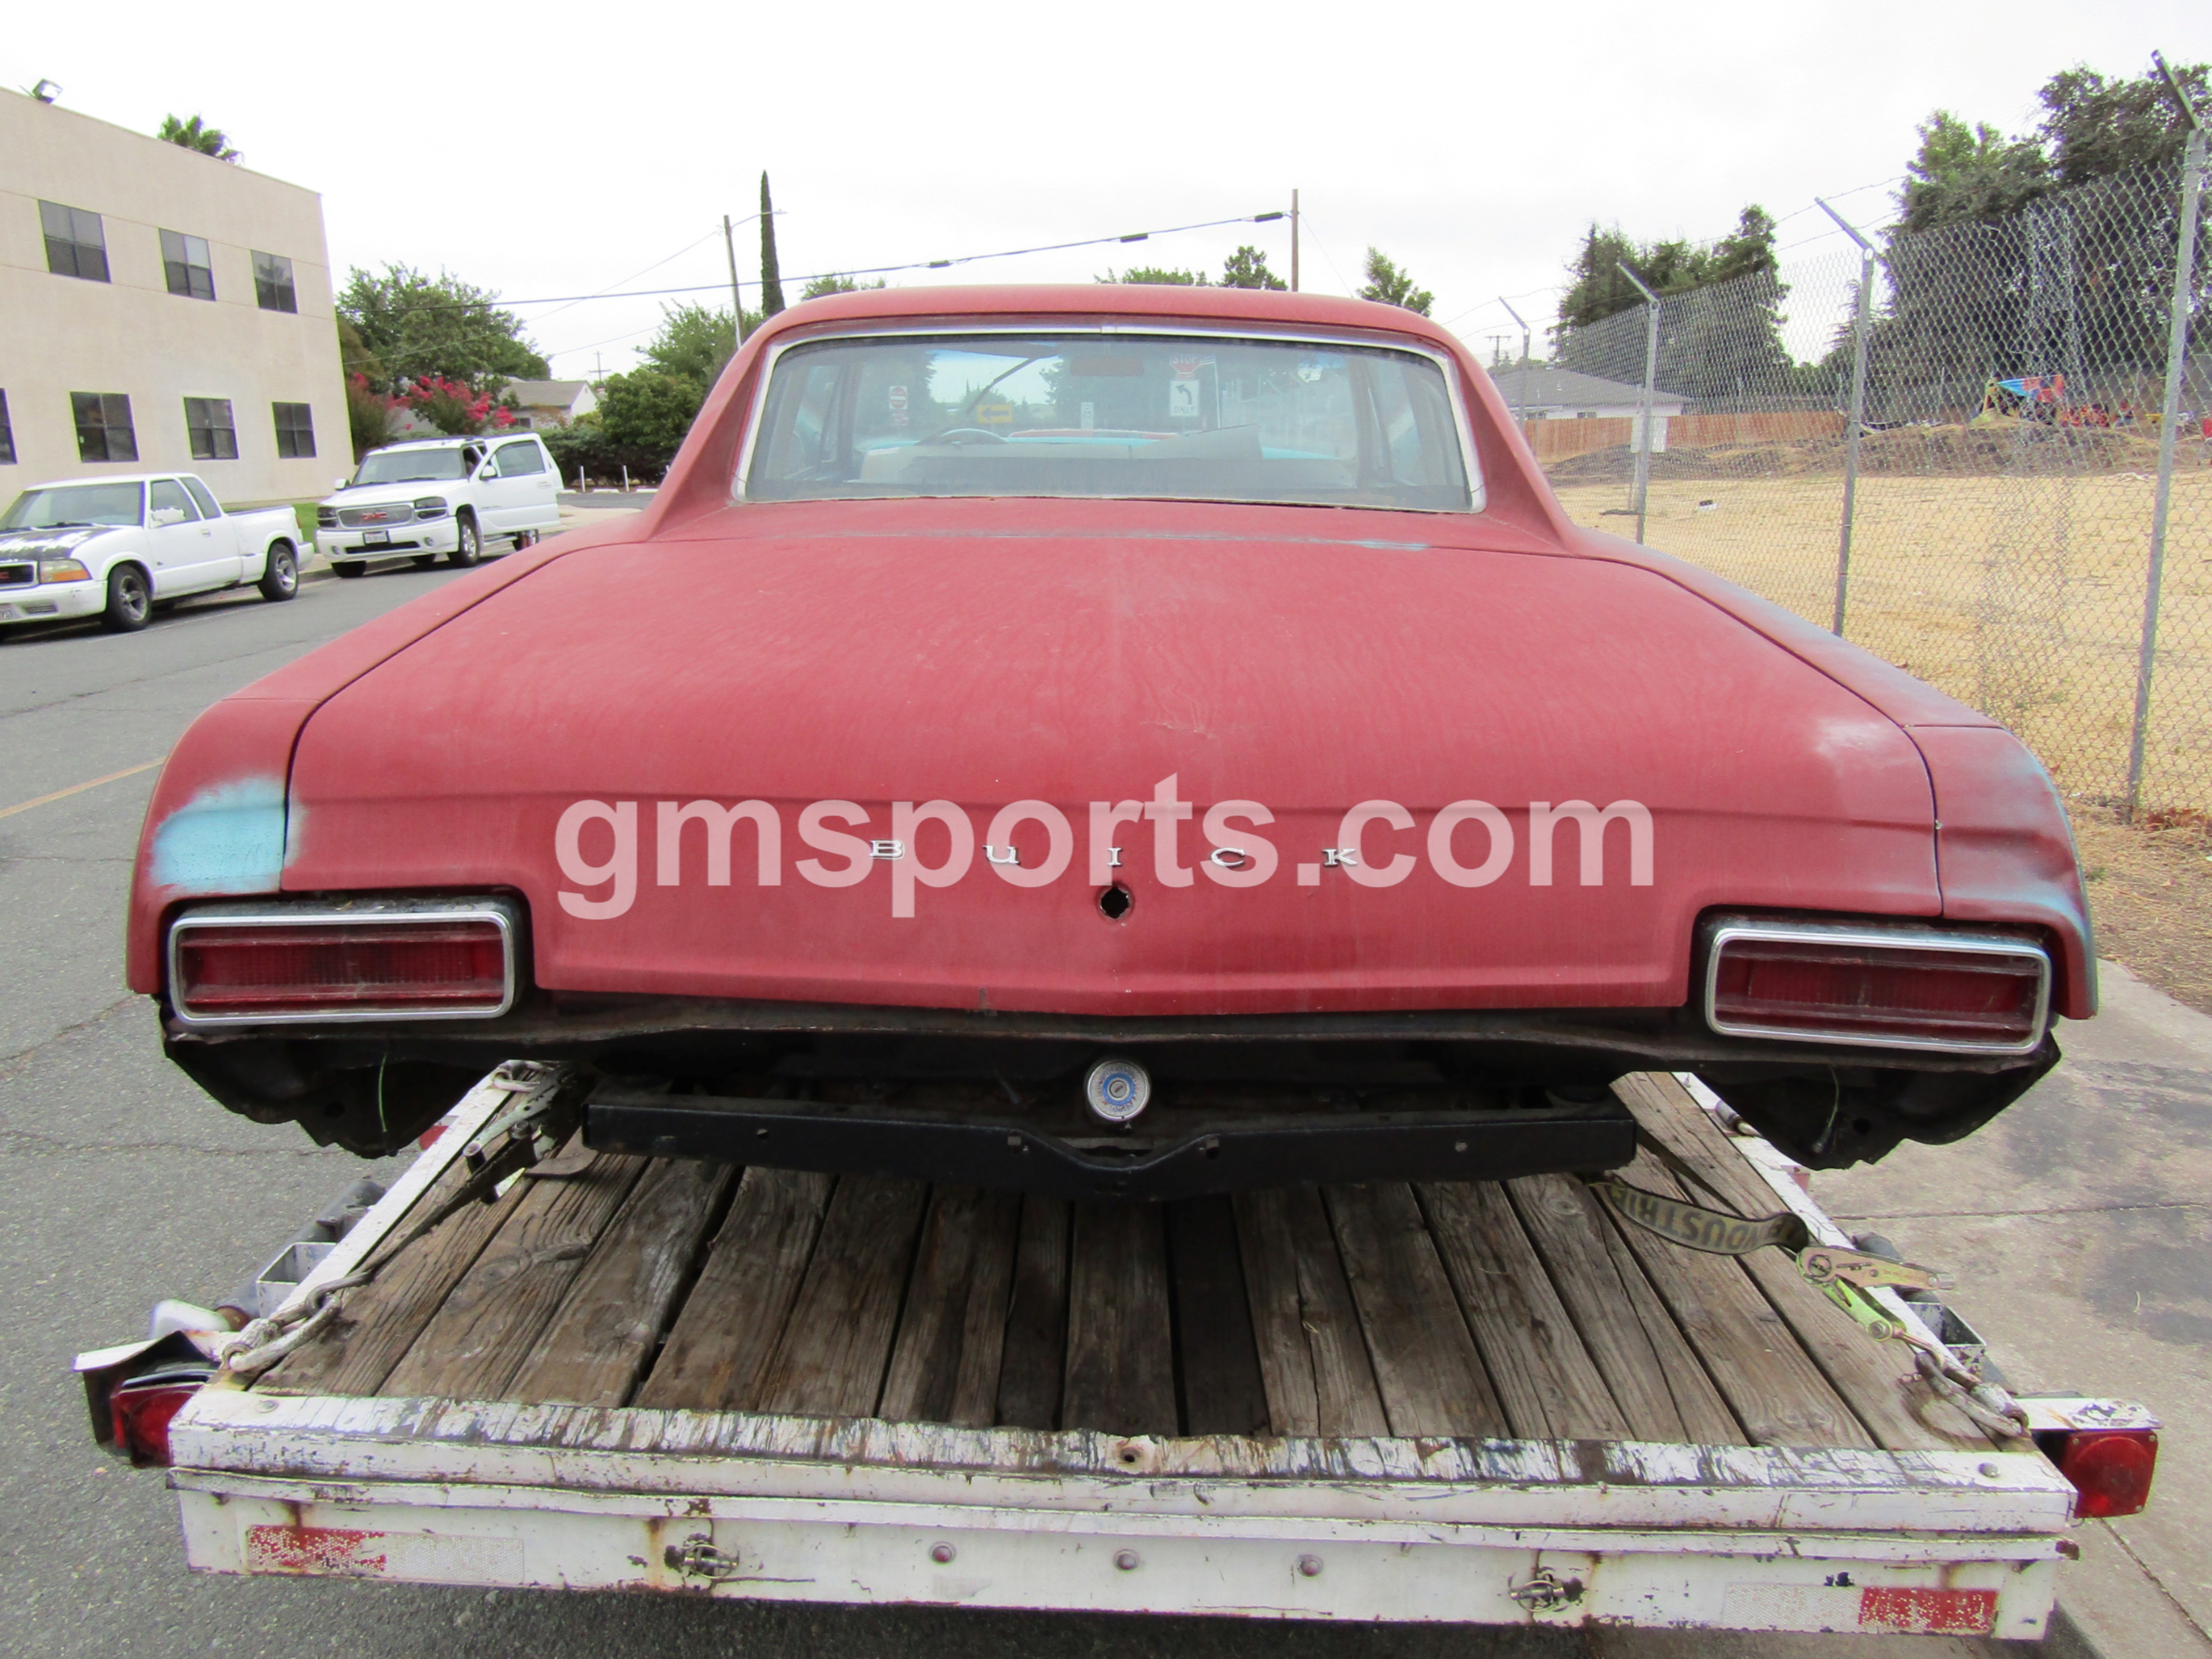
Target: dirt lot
2024	597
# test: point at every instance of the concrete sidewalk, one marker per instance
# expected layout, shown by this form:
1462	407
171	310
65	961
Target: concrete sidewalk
2080	1229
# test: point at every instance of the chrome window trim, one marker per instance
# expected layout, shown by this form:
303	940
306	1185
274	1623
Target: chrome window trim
302	914
1874	935
1477	491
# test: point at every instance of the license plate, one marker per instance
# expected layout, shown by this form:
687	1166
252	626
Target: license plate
376	539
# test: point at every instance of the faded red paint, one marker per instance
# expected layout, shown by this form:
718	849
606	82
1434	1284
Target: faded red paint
329	1551
1928	1611
989	651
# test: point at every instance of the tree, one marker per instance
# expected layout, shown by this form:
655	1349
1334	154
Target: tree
2096	127
368	416
771	277
1247	268
644	415
694	343
456	409
817	287
1968	173
414	326
1390	286
194	134
1160	274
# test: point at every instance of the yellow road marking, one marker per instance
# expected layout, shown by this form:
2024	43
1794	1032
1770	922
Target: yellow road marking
78	788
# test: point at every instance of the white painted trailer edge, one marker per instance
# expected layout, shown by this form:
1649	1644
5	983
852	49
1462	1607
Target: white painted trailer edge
861	1511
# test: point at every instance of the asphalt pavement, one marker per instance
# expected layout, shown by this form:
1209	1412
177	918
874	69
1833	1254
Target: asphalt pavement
120	1184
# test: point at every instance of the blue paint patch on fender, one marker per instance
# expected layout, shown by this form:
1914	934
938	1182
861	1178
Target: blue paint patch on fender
229	839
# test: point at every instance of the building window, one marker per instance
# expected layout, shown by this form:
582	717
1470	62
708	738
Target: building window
214	435
296	432
185	260
7	434
103	426
273	283
75	244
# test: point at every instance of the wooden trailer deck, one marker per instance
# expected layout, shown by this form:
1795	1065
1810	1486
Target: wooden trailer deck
1518	1309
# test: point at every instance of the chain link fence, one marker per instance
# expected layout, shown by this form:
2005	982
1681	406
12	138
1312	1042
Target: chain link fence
1991	520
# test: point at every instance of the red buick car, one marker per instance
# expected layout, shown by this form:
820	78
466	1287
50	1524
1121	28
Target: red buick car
1108	740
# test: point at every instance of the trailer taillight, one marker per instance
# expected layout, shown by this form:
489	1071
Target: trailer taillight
140	1411
2110	1471
1903	988
227	969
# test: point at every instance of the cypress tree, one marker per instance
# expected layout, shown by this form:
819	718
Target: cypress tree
771	280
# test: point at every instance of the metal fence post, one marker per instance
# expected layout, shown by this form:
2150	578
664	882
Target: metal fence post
1650	373
1861	325
2177	359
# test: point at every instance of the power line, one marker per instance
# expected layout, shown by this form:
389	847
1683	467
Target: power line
863	271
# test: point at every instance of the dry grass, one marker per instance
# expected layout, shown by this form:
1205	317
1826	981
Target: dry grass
2022	596
2150	895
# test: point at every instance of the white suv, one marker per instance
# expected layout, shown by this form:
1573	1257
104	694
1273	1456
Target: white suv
440	495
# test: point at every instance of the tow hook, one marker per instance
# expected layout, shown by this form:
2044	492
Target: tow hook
1546	1592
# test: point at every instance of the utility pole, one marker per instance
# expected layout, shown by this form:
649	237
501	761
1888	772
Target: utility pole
1294	241
1521	381
1860	324
737	300
1650	373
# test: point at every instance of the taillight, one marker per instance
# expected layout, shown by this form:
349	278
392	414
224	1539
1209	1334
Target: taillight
238	968
1904	987
2111	1471
140	1411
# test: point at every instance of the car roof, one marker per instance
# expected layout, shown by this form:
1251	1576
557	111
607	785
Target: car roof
1083	303
110	478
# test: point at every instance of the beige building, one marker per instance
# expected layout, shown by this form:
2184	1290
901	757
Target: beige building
160	308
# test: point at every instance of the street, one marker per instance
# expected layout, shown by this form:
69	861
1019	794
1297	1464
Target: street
120	1183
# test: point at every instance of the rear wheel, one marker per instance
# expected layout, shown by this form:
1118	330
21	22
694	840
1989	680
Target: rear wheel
280	576
130	600
469	547
350	568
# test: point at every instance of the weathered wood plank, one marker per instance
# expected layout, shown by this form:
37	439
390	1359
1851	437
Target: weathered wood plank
1752	1355
492	1319
602	1340
1653	1376
1120	1357
1545	1381
1313	1358
1034	1364
1876	1378
377	1322
1219	1365
1425	1362
953	1330
838	1339
735	1315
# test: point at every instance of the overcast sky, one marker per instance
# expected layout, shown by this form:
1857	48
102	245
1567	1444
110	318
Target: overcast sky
563	150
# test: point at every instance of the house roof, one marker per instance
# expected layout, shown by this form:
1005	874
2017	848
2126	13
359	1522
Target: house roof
1562	388
548	394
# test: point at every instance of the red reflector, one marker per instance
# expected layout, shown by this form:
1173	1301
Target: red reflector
141	1410
1849	990
2111	1471
261	969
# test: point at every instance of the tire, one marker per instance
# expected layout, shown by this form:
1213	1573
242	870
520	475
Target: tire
423	561
350	568
469	550
130	600
280	575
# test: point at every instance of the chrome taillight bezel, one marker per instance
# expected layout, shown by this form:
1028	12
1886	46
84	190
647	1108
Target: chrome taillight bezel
370	912
1871	935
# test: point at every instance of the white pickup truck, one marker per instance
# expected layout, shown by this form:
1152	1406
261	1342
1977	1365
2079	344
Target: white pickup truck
115	548
440	496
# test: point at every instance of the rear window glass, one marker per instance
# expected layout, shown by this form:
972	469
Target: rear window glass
1209	418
